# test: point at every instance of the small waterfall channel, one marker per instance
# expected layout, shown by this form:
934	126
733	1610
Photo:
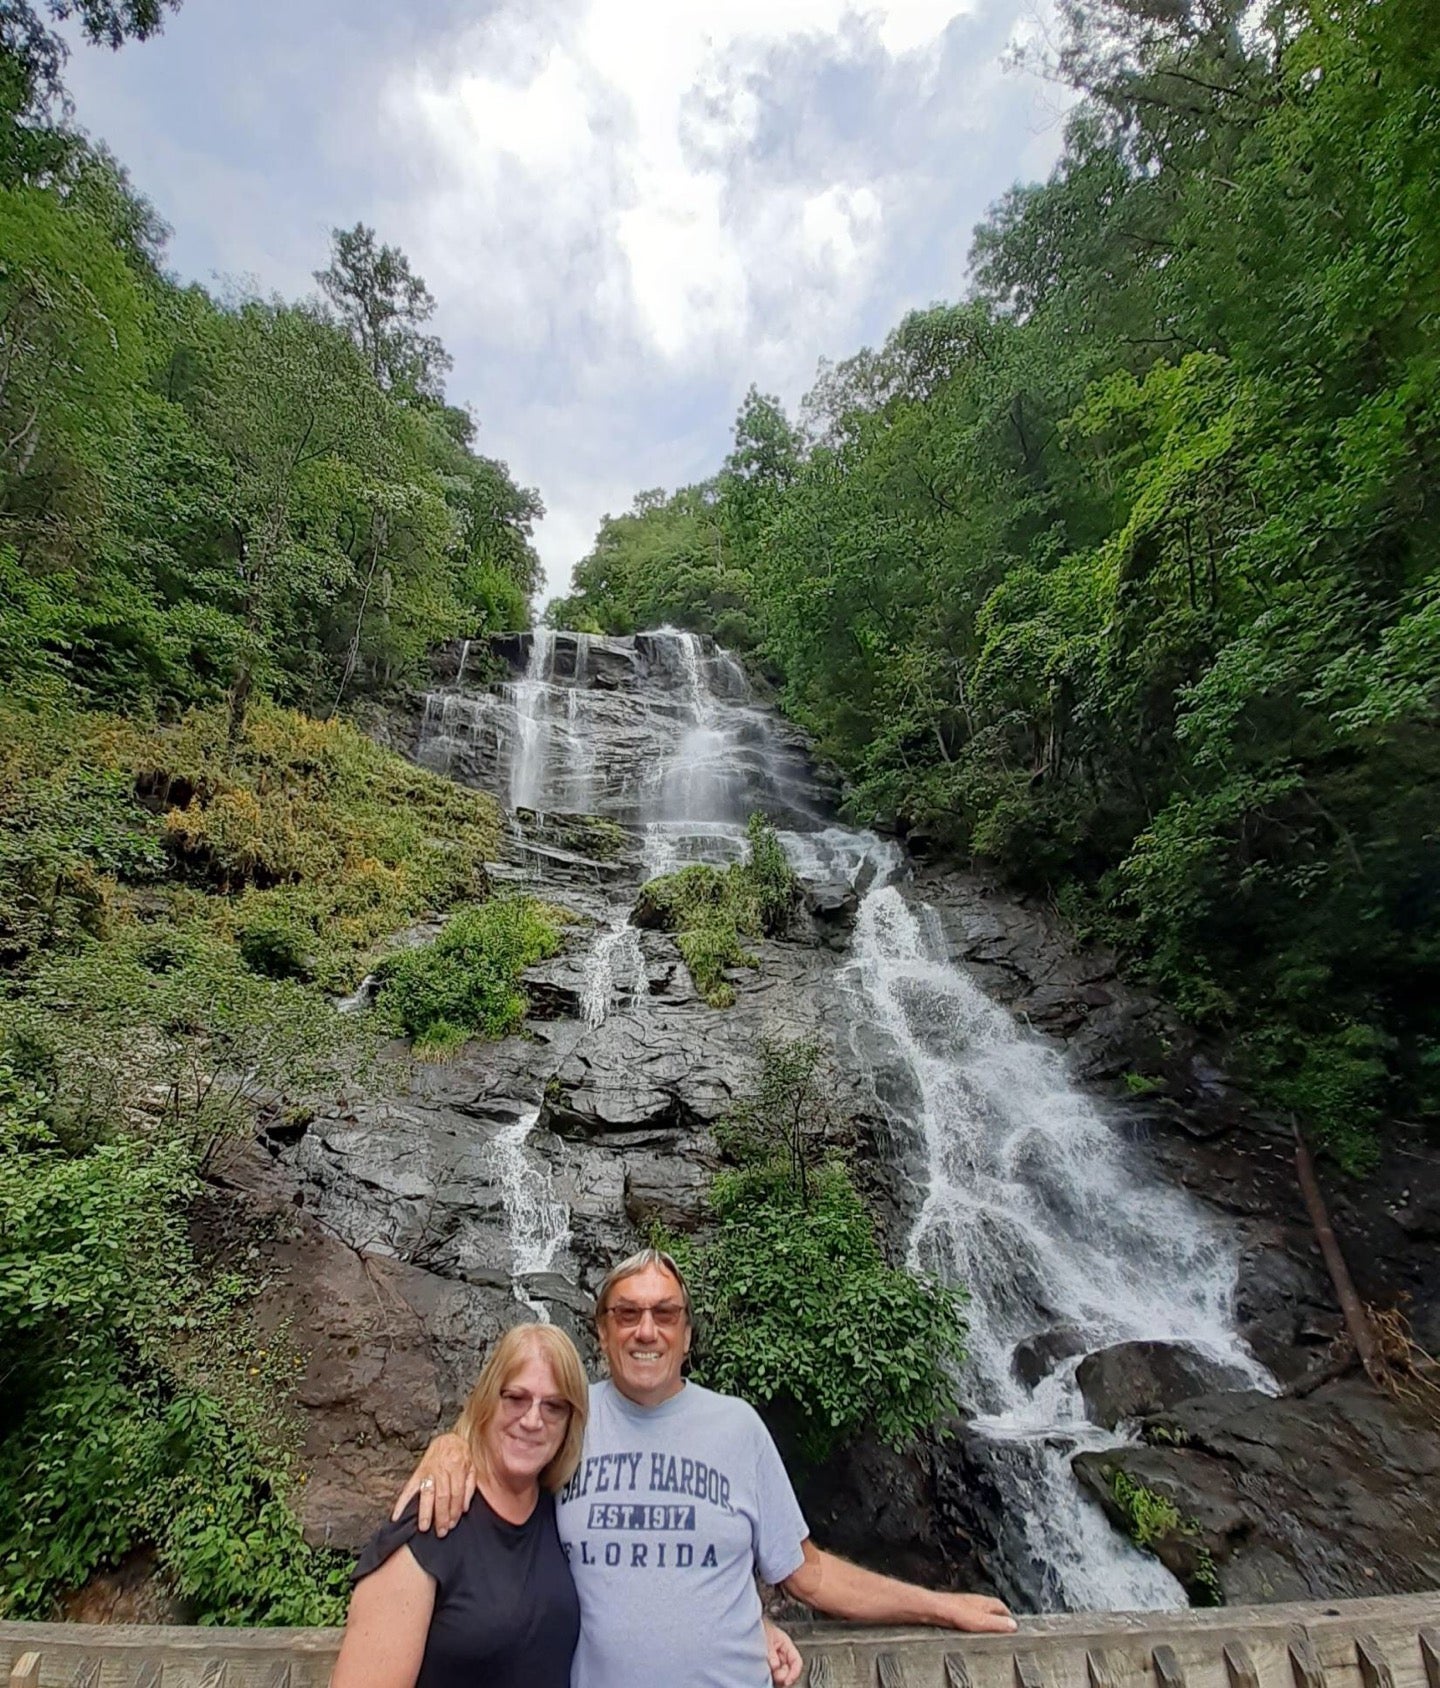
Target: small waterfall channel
1026	1194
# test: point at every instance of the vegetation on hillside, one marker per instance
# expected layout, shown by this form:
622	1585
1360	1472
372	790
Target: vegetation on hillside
212	512
466	983
1121	572
173	912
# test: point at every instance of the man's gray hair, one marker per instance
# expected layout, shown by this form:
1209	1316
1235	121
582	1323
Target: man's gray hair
641	1262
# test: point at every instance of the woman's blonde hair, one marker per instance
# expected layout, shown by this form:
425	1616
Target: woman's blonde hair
506	1358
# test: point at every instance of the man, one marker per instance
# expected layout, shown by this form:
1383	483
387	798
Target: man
680	1499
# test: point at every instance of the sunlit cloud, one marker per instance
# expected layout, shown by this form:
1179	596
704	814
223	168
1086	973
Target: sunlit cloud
627	209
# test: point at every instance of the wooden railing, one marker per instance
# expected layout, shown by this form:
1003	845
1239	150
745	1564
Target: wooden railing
1392	1642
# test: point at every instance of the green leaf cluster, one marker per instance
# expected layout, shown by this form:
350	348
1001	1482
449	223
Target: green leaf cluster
712	911
139	1405
466	983
798	1309
1150	1517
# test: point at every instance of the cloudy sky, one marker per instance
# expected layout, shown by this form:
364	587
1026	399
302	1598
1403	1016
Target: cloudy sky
628	210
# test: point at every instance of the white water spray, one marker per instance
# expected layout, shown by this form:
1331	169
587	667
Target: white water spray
539	1224
1029	1203
614	971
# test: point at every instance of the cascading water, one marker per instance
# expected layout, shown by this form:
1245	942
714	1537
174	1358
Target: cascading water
1029	1203
614	971
533	722
539	1223
1025	1195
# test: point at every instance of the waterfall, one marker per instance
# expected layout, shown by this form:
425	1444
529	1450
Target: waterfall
1030	1204
614	969
539	1224
1024	1193
533	723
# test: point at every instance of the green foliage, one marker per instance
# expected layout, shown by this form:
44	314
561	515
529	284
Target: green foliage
134	1408
201	500
1150	1517
799	1311
1121	573
467	982
711	912
172	913
788	1118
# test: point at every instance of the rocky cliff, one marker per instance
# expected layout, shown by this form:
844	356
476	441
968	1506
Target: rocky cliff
403	1221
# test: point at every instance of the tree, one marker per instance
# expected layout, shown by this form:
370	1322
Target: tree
383	304
301	425
37	53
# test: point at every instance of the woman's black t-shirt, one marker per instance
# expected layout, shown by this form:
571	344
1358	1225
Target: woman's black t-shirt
506	1614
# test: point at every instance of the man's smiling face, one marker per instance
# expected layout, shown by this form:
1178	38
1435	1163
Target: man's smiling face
645	1336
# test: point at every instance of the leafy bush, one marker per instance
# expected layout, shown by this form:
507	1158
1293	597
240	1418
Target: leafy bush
467	982
798	1308
133	1409
711	911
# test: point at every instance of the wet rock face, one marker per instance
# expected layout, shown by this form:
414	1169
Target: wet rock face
1330	1496
389	1350
1136	1379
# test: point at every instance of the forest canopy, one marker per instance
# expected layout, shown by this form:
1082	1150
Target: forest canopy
1121	571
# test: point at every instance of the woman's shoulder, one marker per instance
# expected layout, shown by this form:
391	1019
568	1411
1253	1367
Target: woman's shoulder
434	1553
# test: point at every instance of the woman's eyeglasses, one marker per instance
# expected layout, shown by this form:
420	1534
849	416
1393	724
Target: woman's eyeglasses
515	1403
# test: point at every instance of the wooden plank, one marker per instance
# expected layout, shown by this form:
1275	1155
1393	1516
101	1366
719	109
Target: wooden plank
1374	1668
1027	1671
25	1672
1168	1670
1100	1669
1239	1666
1430	1655
957	1672
1305	1664
892	1672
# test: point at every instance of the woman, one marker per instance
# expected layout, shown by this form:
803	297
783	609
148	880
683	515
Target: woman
492	1602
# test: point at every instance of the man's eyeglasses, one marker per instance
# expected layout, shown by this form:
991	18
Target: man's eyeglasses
626	1315
515	1403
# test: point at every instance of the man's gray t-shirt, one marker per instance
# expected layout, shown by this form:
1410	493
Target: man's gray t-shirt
672	1512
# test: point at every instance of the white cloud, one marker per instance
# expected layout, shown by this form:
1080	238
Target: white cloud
627	209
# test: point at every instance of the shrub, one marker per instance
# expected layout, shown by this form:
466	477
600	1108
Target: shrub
133	1409
798	1308
467	982
711	911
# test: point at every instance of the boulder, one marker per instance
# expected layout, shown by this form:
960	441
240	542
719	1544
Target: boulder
1135	1379
1037	1356
1329	1496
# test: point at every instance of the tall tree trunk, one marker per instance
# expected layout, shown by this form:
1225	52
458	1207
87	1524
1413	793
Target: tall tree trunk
1357	1320
239	702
